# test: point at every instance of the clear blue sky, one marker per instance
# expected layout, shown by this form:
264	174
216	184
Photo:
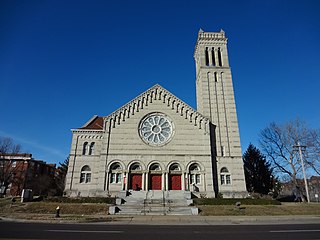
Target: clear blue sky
61	62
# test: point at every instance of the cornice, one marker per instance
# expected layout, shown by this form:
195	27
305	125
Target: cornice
210	38
95	131
153	94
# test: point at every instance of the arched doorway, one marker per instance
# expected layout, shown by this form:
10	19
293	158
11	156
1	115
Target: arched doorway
155	177
194	177
135	177
115	177
175	177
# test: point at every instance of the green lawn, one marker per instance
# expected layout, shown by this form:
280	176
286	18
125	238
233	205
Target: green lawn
7	208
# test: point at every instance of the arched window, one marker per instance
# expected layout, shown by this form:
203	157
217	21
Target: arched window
207	56
135	167
116	173
116	167
175	167
85	176
225	176
195	176
84	149
91	149
215	77
155	167
219	57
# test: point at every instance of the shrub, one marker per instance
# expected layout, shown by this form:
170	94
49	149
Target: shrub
233	201
106	200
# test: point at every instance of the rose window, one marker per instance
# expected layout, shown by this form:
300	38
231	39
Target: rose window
156	129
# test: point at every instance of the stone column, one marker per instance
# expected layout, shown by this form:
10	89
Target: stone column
147	181
126	180
166	181
187	182
210	56
221	55
183	181
143	181
216	57
163	175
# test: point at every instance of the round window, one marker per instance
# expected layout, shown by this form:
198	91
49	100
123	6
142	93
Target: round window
156	129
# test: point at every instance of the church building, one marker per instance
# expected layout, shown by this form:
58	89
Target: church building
158	142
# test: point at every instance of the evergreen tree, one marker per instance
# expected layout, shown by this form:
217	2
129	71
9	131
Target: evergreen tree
258	172
60	180
64	166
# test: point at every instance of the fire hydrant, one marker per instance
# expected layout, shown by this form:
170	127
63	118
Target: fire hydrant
57	212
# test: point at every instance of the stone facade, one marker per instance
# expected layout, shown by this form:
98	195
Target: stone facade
158	142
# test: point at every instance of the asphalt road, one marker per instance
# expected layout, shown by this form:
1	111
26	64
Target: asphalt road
15	230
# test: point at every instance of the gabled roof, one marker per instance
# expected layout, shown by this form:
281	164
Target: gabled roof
156	92
95	122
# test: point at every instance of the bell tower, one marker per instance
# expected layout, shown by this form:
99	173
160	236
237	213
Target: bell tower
215	100
215	96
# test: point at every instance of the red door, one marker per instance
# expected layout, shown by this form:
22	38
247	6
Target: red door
155	182
136	182
175	182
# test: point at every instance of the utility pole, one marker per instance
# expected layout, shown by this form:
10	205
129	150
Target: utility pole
300	149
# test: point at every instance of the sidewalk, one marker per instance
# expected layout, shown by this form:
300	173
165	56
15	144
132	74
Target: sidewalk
215	220
166	220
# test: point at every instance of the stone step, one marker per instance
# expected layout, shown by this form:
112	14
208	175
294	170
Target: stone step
173	202
154	202
154	210
156	194
182	211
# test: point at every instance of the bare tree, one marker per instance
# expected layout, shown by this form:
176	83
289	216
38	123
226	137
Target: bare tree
7	146
313	157
277	142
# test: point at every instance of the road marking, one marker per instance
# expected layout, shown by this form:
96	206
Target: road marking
82	231
294	231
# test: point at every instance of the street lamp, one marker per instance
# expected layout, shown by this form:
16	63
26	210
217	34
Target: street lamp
300	149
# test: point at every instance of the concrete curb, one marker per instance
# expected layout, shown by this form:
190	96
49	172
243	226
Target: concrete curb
173	220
